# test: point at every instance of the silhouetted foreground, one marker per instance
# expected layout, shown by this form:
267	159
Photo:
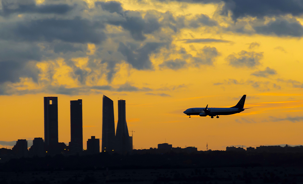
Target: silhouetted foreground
201	167
115	161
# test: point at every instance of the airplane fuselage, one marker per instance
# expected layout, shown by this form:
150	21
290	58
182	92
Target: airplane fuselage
217	111
212	111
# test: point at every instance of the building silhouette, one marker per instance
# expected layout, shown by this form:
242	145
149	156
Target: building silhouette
165	146
108	125
123	140
76	143
232	148
61	148
191	149
51	124
93	145
20	148
38	148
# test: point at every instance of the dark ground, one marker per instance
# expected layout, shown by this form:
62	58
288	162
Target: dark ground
208	168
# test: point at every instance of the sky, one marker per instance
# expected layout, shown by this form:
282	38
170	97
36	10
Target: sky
162	57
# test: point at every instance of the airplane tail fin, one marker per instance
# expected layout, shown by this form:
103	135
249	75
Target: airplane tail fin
240	104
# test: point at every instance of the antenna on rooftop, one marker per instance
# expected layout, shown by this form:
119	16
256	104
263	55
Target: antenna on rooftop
206	146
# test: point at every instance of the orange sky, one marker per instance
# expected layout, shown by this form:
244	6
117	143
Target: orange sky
157	96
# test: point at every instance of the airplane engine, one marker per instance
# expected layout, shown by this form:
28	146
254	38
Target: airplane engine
203	114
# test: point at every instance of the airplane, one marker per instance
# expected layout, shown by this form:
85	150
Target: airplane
217	111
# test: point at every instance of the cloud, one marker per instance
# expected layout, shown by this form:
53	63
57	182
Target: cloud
280	49
111	6
194	1
264	86
63	90
65	47
245	59
159	94
283	26
13	143
67	36
265	73
230	82
11	71
71	91
18	60
261	8
119	36
138	56
205	40
206	56
245	120
253	8
111	67
31	45
280	27
176	64
54	33
7	143
254	45
76	30
293	83
132	21
293	119
127	87
218	83
10	7
258	85
172	88
202	20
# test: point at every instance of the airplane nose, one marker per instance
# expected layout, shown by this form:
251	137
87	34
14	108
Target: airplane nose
185	112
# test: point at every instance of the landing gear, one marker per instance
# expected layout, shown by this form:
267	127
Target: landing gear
217	116
212	117
189	116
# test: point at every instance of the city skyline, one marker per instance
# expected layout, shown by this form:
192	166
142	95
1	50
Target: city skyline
161	56
51	114
119	142
200	147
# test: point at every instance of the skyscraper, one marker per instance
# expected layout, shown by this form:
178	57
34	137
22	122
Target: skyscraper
123	141
51	123
108	125
76	144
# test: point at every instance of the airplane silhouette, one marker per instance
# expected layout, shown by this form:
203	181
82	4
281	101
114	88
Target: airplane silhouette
217	111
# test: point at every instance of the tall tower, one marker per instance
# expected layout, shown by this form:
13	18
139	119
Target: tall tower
76	144
123	141
108	125
51	123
